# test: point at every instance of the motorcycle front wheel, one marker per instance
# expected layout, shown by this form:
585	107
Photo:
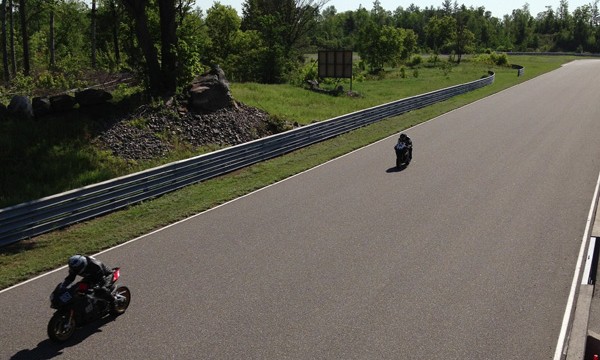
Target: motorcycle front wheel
122	298
61	327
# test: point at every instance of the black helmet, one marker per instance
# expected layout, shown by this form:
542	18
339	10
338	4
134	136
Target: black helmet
77	263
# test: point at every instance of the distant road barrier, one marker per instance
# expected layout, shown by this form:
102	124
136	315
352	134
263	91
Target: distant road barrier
54	212
520	69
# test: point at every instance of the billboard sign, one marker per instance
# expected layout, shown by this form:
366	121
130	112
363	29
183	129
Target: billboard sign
335	64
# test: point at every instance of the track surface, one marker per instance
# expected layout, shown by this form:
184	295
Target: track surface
469	253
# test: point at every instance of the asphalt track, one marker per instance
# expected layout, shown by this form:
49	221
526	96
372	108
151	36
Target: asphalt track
469	253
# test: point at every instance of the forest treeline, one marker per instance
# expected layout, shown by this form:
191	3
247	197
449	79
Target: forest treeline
167	42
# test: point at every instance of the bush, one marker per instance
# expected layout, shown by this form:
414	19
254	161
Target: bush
492	59
304	74
433	59
416	60
276	124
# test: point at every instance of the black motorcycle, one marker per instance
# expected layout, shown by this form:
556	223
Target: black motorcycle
403	155
76	306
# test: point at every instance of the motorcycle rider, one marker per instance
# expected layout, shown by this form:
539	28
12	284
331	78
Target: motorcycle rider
94	272
404	144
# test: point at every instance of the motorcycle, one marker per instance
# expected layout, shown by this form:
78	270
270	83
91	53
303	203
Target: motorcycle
402	155
76	306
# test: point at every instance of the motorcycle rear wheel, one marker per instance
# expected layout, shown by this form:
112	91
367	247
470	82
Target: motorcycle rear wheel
61	327
122	299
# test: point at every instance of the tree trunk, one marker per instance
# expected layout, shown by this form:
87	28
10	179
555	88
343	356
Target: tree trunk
26	59
115	31
4	38
93	34
52	42
168	35
11	22
137	10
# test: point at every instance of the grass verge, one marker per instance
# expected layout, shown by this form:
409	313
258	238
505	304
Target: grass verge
28	258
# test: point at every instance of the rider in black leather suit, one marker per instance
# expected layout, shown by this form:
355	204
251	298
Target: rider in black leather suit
94	272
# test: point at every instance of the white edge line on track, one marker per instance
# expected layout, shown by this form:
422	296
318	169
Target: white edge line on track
574	285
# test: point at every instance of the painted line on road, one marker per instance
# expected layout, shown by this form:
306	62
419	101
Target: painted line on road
569	308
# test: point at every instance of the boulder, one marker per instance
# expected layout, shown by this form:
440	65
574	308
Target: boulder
3	113
20	106
41	106
60	103
210	92
90	97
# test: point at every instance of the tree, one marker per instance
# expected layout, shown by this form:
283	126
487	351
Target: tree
115	30
93	33
168	37
284	26
463	37
381	45
520	27
583	39
4	41
162	77
439	31
223	23
51	42
13	54
24	38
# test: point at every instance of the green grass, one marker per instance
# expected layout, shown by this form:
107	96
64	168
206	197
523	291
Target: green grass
286	101
28	258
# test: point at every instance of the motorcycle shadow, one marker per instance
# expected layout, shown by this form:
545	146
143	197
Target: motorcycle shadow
48	349
396	169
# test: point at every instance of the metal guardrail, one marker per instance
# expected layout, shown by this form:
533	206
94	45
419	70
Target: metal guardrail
43	215
582	54
520	69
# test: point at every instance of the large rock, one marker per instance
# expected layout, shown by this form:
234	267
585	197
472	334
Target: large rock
3	112
41	106
60	103
20	107
90	97
210	92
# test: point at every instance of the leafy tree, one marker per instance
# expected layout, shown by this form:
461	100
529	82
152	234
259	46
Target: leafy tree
193	45
464	38
24	38
284	26
583	39
4	41
439	31
381	45
520	25
246	64
330	33
162	76
223	24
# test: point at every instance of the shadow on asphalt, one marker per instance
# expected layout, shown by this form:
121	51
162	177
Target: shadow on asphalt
48	349
396	169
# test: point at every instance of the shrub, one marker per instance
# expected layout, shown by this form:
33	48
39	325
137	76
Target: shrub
416	60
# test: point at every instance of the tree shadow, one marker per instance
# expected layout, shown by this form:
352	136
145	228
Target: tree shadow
48	349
